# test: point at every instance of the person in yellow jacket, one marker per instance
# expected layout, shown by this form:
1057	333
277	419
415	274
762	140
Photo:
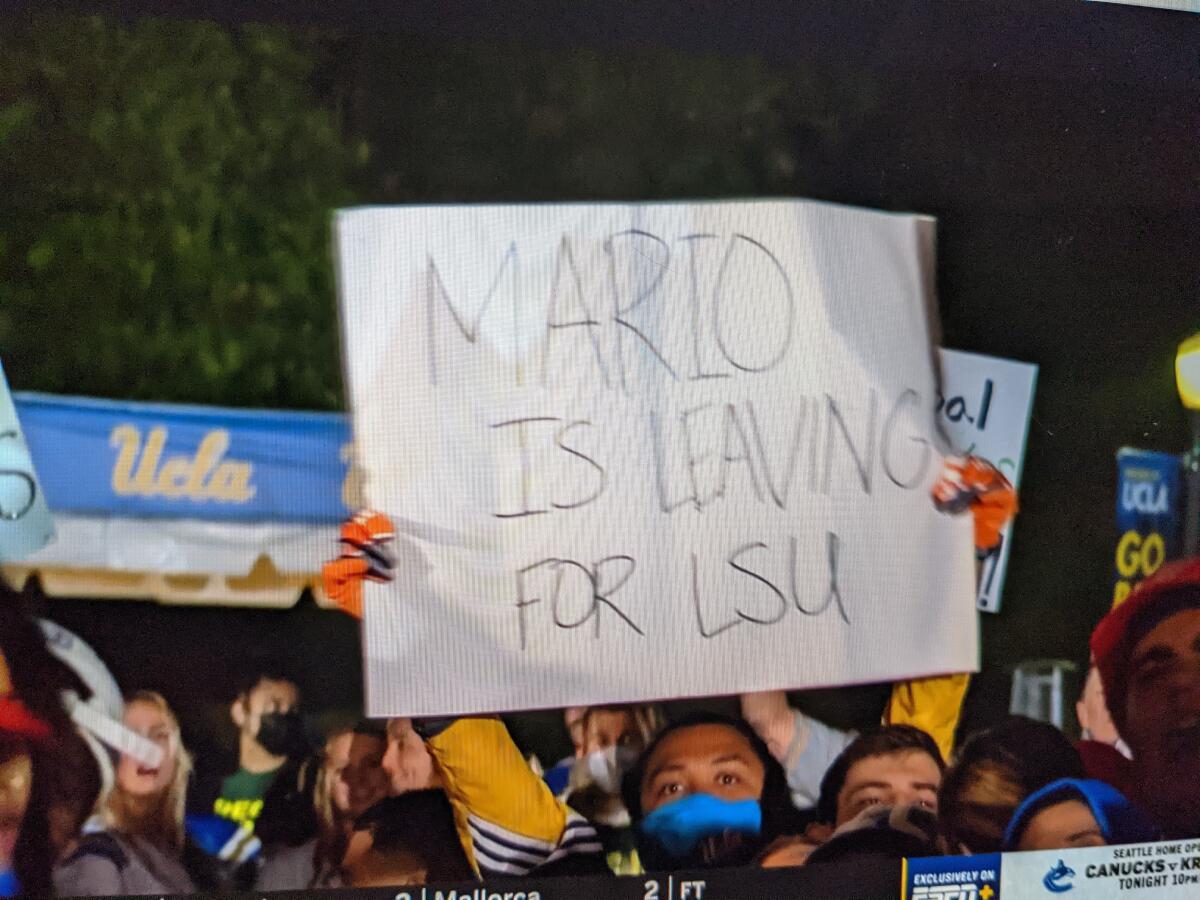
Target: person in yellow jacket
508	821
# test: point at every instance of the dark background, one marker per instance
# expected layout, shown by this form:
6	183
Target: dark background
1054	140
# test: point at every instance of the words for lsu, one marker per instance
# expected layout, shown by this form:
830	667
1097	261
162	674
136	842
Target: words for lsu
833	448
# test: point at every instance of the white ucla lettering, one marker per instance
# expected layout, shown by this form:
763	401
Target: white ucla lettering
1144	497
141	471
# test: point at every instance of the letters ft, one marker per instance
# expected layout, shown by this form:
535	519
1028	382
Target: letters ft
691	890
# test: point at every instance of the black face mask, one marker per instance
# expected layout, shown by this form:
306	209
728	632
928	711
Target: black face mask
730	849
282	734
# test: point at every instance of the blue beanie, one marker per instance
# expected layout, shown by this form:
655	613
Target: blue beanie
1120	821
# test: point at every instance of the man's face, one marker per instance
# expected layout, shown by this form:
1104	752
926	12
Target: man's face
703	759
268	696
909	777
1162	720
406	761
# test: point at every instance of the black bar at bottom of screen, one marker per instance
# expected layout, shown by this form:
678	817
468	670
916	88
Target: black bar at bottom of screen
866	879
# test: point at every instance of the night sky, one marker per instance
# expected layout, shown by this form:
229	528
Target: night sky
1056	143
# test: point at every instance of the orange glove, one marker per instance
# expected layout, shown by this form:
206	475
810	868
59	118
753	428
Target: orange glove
365	556
974	483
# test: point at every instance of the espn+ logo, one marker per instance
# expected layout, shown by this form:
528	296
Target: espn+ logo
953	892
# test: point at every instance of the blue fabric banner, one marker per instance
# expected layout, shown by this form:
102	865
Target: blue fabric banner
147	460
1147	516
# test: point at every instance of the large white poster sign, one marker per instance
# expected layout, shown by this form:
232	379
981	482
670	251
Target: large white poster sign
648	451
985	408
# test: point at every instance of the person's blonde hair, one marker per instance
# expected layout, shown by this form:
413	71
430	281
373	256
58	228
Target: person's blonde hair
994	770
159	818
975	804
327	815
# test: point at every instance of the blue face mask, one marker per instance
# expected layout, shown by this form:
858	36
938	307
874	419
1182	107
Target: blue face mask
679	826
8	883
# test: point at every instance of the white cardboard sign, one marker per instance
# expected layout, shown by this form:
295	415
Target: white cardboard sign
640	451
985	407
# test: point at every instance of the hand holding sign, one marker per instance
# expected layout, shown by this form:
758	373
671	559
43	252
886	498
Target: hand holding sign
365	557
974	483
966	483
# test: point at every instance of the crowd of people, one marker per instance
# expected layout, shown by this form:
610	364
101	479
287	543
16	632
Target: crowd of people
100	796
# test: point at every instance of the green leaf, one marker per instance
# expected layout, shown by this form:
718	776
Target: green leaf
40	255
146	274
13	117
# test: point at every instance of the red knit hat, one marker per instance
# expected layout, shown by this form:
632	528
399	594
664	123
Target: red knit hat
1112	641
15	717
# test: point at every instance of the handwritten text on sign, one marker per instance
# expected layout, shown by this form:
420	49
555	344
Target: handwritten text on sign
648	451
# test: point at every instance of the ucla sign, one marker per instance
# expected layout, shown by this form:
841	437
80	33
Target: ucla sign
1147	516
1145	498
99	457
142	471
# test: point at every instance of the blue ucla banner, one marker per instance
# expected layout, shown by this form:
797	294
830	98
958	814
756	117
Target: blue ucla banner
1147	516
150	460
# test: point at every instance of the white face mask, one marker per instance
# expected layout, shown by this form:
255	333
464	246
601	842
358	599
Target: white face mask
608	766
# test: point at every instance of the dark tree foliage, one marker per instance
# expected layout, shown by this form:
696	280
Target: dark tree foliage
166	186
165	190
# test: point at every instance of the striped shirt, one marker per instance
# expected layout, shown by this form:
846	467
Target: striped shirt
509	822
